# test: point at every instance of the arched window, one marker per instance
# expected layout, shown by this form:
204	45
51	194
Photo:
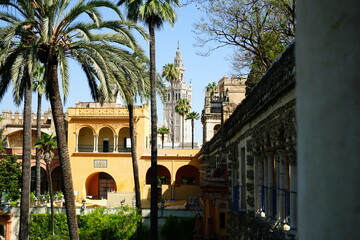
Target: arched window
106	140
187	175
86	140
163	175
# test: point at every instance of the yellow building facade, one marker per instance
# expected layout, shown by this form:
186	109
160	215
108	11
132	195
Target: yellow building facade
100	154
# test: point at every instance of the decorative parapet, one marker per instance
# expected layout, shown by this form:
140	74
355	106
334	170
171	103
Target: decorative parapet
91	110
16	118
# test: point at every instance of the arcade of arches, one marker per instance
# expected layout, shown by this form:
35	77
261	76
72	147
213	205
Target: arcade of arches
105	140
182	185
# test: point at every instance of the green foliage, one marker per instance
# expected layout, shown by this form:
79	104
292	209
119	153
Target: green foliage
141	233
192	116
46	143
162	180
170	72
10	177
176	228
99	224
40	227
163	130
182	106
258	30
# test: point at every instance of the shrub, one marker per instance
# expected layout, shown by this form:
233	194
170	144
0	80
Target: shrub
40	227
141	233
99	224
10	177
176	228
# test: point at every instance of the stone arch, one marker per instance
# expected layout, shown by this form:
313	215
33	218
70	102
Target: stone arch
86	139
216	128
43	180
98	184
163	174
56	179
124	139
15	138
187	175
106	139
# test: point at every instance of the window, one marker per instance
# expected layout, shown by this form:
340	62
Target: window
222	220
106	145
127	142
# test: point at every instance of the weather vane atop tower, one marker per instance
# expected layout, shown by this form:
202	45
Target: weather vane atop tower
178	45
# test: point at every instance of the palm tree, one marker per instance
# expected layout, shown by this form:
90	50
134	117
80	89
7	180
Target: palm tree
192	116
95	52
135	83
212	87
182	107
60	34
45	144
171	73
153	13
39	87
162	131
16	65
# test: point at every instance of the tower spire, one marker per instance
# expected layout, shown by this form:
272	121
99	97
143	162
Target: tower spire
179	64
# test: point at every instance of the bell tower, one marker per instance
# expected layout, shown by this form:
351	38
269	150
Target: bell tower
181	90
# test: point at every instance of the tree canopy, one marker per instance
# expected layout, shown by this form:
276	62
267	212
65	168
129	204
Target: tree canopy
258	30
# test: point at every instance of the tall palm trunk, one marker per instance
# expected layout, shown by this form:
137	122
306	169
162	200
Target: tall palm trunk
172	114
26	163
154	213
134	159
192	133
58	116
38	135
162	140
182	134
51	198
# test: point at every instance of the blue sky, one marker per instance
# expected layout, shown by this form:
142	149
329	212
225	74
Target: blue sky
200	70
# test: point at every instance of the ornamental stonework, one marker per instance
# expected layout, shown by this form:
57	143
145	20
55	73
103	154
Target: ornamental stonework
102	112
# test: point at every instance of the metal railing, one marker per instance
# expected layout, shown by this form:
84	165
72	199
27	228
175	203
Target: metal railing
101	149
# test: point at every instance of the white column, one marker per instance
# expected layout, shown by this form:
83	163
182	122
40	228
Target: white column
96	140
116	143
328	117
76	142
